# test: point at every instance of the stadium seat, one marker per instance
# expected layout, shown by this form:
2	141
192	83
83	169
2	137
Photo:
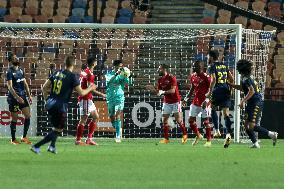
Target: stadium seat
110	12
255	25
242	4
91	10
17	3
40	19
80	4
223	20
201	57
139	20
123	20
126	4
74	19
47	4
229	1
79	12
88	19
33	11
112	4
125	12
210	7
274	5
207	20
224	13
59	19
3	12
241	20
26	19
63	12
3	3
32	3
108	19
275	13
259	6
209	13
48	12
16	11
64	4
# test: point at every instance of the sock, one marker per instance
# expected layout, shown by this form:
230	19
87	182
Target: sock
214	117
261	130
228	124
50	136
53	141
183	129
251	135
91	129
80	131
117	128
207	129
193	127
166	131
13	130
26	127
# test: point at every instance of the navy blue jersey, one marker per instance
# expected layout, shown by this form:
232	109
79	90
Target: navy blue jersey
62	85
17	77
249	82
220	71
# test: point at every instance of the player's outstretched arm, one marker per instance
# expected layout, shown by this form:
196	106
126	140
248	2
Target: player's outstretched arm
46	89
83	92
238	87
99	93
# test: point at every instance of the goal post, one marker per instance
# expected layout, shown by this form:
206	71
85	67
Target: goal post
141	47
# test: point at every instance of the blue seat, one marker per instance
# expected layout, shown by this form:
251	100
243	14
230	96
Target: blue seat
49	49
201	57
208	13
80	4
74	19
88	19
123	20
80	12
3	12
125	12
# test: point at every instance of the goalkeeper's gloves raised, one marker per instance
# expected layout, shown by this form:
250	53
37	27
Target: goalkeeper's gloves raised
161	92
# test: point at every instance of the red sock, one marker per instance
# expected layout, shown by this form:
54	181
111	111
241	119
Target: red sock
207	129
91	129
166	131
194	128
183	129
80	131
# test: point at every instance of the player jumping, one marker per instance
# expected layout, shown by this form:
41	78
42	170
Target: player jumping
57	91
220	93
167	86
86	104
115	84
19	98
200	83
254	104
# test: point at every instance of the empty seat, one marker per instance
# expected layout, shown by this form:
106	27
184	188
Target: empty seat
47	4
88	19
241	20
126	4
125	12
16	11
63	12
64	4
17	3
48	12
108	19
3	3
139	20
33	11
79	12
32	3
123	20
59	19
74	19
26	19
41	19
3	12
110	12
10	18
242	4
112	4
80	4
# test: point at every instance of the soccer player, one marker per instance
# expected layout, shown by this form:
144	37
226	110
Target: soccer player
200	83
254	104
57	91
220	93
167	86
115	84
86	104
19	98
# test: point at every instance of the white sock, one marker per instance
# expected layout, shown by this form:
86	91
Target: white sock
270	134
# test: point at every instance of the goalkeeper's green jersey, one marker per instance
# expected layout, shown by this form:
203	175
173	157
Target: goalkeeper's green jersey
115	87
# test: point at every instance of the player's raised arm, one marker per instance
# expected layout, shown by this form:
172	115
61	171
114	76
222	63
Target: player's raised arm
99	93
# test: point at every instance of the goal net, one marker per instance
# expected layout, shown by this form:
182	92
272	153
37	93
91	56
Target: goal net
41	49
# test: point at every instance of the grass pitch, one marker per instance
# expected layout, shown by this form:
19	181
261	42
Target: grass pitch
140	163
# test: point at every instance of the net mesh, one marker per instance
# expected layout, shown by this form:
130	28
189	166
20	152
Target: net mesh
42	50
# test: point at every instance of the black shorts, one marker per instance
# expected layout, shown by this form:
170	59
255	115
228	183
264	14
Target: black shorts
15	106
253	112
221	97
57	118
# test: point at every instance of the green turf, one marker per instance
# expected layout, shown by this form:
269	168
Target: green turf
142	164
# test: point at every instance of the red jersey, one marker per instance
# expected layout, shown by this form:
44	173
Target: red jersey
86	78
165	83
201	83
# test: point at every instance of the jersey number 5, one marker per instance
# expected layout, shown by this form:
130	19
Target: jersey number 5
57	86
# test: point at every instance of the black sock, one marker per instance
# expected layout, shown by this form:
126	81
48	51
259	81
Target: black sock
46	139
214	117
228	124
251	135
261	130
26	127
53	141
13	130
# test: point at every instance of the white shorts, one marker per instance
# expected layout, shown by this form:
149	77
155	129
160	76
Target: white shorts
86	107
171	108
195	110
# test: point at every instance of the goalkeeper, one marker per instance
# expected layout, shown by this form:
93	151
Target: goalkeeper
115	84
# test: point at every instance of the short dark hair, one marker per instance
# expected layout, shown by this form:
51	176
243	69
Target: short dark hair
214	54
116	62
165	66
10	56
244	67
90	61
69	61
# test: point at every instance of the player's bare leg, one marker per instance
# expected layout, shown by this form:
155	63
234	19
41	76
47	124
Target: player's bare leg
208	132
13	128
178	118
165	120
193	127
91	128
27	114
228	124
80	130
